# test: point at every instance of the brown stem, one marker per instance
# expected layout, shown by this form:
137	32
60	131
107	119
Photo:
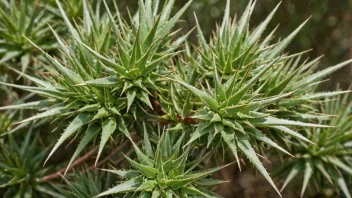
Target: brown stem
87	157
127	154
74	164
107	158
158	108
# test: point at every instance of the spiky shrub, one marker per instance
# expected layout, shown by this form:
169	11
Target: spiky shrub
327	162
233	93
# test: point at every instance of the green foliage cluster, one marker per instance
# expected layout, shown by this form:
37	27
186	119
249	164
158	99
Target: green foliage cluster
105	80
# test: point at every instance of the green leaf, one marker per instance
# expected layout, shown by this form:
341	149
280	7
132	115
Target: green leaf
219	89
9	55
284	43
194	191
231	143
156	193
121	126
89	108
131	94
142	19
246	148
48	191
147	145
151	36
126	174
33	79
322	169
102	113
154	64
187	107
201	38
343	186
143	159
209	182
180	183
321	74
233	124
340	164
203	96
261	28
170	24
226	18
73	31
147	171
235	98
201	130
91	132
29	105
260	136
47	91
107	81
109	127
69	74
118	68
269	121
80	120
147	186
88	23
143	96
323	95
291	132
25	59
308	172
209	193
244	21
50	112
264	102
128	186
294	171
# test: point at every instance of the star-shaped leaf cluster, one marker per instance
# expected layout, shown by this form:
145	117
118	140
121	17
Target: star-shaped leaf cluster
330	159
164	171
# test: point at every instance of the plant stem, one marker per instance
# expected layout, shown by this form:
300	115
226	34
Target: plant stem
107	158
74	164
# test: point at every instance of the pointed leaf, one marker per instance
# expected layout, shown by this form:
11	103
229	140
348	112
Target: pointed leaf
91	132
128	186
203	96
308	172
109	127
80	120
246	148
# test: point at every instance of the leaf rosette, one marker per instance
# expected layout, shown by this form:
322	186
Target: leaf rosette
164	171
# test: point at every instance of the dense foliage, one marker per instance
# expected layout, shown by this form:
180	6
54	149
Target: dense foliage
96	80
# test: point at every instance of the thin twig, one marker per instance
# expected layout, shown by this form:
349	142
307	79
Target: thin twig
158	108
127	154
107	158
74	164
